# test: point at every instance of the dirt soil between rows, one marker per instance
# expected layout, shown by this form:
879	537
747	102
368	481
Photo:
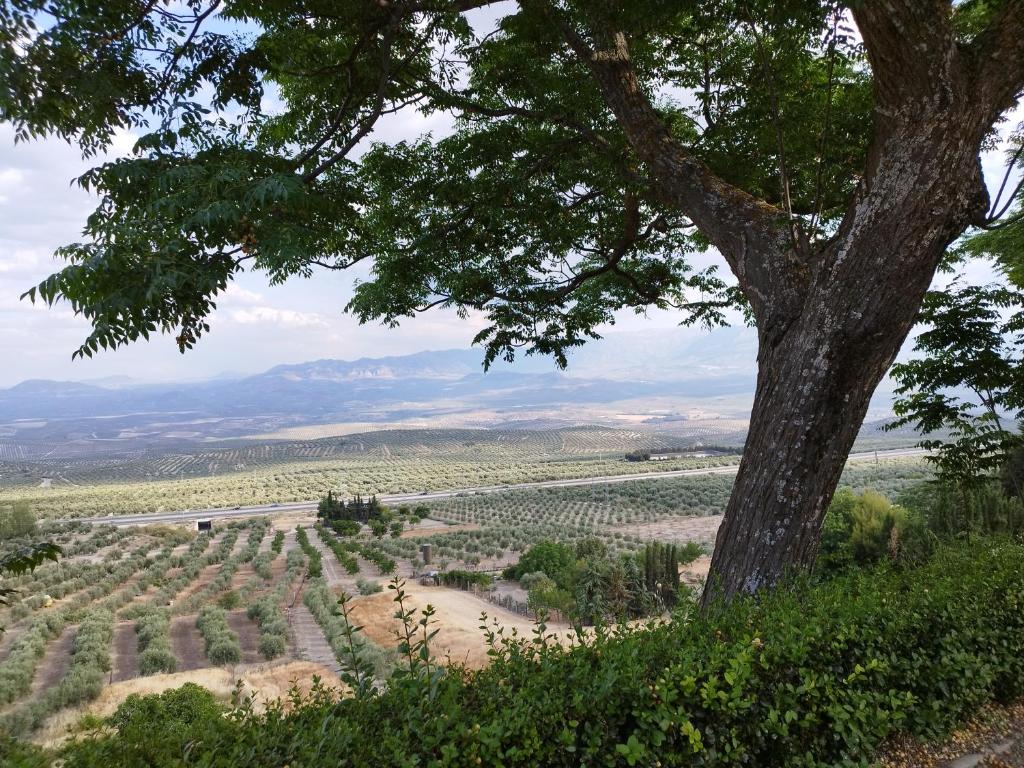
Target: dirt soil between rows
187	644
248	636
55	663
125	662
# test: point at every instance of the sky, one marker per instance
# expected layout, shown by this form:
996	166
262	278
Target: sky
255	327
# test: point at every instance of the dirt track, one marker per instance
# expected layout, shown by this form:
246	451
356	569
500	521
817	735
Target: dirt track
125	661
309	641
187	644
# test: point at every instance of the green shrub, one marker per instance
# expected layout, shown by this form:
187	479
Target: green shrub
272	625
272	646
808	675
21	754
528	580
278	543
157	660
229	601
384	562
149	723
866	528
261	565
552	558
368	587
544	594
222	645
314	565
153	632
340	549
982	508
224	650
16	520
345	527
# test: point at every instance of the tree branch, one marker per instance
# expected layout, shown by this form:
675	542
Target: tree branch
997	56
913	54
753	236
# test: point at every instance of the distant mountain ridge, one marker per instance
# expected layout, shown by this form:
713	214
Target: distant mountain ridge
630	380
124	414
444	364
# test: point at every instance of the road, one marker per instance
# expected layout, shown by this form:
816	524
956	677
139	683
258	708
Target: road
419	498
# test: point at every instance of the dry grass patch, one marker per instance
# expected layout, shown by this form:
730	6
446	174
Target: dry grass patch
266	682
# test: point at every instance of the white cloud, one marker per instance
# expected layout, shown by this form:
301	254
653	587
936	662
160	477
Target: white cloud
9	179
236	294
282	318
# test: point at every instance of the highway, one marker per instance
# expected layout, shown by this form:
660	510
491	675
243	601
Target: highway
221	513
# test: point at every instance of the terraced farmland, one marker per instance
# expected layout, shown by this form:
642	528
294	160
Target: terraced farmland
492	529
126	607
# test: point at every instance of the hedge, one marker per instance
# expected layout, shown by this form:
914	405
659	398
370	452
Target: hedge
314	564
809	675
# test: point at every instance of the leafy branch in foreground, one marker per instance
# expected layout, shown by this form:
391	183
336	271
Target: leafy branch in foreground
967	377
24	560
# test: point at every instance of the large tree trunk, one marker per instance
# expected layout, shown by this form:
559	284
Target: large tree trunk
831	316
818	371
813	391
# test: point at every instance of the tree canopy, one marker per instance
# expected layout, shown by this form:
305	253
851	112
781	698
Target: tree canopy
256	151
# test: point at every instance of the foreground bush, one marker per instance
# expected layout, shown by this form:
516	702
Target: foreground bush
806	676
864	529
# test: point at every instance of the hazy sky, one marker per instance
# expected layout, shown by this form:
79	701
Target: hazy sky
254	327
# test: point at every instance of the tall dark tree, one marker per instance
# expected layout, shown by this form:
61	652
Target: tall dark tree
830	154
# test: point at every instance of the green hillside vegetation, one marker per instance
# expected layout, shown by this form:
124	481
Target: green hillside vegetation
905	625
589	585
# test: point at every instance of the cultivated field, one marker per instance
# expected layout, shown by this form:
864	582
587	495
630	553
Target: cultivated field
403	461
146	608
377	462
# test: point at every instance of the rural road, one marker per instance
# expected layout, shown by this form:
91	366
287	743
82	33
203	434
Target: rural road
406	498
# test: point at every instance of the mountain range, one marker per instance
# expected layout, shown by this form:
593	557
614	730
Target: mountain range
658	376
